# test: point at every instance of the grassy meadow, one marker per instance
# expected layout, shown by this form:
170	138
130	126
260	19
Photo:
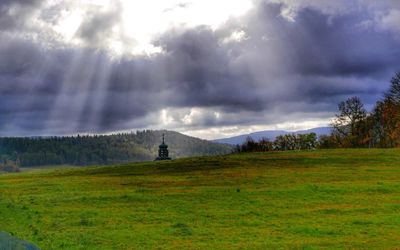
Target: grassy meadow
328	199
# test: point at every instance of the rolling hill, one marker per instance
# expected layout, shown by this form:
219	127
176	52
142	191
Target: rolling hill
271	134
323	199
104	149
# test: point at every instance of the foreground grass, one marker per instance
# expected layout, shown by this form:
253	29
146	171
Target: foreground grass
290	200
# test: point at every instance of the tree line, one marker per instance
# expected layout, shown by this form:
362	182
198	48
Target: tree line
281	142
352	127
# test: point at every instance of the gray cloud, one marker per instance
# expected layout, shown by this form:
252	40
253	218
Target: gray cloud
279	70
97	26
14	14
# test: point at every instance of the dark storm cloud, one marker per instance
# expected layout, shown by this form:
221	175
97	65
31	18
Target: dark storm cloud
276	70
200	71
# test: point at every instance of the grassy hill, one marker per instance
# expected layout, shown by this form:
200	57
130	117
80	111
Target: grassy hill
292	200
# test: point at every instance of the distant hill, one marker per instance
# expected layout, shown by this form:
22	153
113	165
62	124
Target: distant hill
271	135
104	149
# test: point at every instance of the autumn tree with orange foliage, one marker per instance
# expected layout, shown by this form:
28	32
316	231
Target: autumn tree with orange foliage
387	116
354	127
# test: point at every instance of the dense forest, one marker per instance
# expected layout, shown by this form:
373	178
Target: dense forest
102	149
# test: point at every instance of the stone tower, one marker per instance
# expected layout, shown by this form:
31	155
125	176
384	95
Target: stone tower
163	151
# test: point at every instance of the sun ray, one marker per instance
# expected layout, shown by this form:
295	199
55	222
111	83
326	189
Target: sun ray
31	101
63	116
98	88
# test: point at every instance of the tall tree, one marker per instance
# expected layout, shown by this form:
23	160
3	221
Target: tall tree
348	124
393	95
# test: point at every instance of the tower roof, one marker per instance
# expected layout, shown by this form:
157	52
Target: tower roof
163	145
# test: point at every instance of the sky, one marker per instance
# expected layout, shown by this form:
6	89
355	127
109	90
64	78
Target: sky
206	68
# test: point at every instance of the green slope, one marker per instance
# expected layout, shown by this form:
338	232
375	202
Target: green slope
332	199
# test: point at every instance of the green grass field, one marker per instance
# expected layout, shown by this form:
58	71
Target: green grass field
329	199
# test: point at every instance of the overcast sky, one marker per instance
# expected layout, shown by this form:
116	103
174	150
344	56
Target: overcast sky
208	68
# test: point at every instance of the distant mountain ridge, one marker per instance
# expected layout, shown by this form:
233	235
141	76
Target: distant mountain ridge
271	135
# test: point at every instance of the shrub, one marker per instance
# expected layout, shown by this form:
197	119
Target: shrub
9	166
